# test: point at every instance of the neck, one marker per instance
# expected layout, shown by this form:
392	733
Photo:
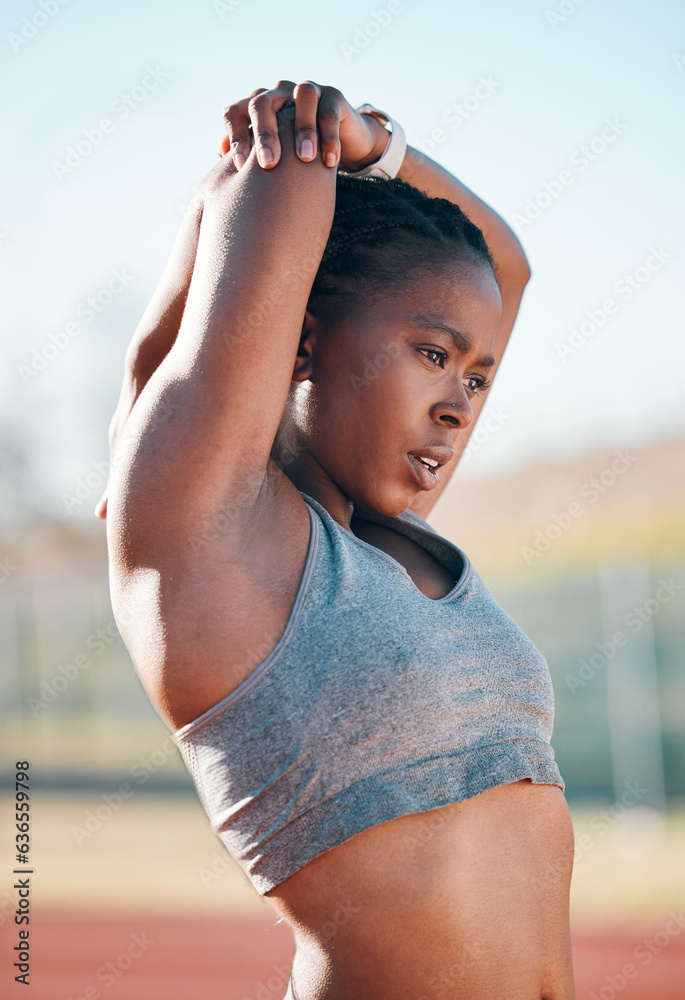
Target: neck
306	475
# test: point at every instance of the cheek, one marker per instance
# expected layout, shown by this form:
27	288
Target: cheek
365	396
381	395
399	388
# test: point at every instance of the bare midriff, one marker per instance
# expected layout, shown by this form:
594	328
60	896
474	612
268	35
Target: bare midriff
467	901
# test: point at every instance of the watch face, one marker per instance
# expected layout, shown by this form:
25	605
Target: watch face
370	110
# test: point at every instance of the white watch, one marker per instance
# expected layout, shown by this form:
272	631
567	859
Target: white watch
388	166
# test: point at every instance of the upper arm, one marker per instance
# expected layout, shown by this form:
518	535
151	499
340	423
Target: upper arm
205	422
512	272
159	325
158	328
511	291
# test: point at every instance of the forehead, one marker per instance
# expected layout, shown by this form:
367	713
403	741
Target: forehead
463	303
462	287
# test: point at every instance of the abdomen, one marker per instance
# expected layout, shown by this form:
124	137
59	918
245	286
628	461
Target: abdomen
469	900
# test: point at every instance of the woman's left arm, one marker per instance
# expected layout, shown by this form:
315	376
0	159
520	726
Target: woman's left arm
511	271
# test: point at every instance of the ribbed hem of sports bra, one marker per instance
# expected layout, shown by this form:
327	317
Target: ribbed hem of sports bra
459	586
195	724
509	764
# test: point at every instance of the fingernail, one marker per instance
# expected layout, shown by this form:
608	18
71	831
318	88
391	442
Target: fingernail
331	159
306	149
265	156
239	160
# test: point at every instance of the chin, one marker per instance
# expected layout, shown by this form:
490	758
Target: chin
385	501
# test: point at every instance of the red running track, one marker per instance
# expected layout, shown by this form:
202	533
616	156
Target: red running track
227	958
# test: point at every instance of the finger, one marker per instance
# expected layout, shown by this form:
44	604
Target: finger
265	129
306	96
287	86
328	120
225	147
237	121
240	113
101	508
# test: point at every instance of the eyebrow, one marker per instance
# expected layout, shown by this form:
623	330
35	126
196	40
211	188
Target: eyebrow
462	343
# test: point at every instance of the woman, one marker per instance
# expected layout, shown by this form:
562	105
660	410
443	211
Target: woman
368	730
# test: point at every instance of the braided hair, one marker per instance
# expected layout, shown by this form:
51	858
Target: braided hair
384	234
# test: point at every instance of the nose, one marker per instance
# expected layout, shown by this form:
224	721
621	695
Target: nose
456	412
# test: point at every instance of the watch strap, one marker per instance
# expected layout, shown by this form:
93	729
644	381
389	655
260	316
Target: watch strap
388	166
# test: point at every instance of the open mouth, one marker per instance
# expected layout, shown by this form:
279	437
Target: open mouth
425	470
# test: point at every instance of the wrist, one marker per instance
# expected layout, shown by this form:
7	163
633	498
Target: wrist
380	139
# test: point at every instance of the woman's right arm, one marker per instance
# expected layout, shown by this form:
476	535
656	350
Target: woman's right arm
223	385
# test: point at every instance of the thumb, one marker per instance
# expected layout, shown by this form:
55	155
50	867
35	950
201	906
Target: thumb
101	507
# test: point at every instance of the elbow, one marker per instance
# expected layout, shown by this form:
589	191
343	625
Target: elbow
517	273
514	263
512	267
521	268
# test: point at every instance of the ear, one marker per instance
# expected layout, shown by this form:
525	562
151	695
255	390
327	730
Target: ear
304	362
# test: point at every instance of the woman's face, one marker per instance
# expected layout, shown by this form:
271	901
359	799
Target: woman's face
385	382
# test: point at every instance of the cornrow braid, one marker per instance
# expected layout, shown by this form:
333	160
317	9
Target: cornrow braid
344	240
384	234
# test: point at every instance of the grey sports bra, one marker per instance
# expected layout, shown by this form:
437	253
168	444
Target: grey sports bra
376	702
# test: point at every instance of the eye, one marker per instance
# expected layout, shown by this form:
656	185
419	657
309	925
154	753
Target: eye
480	386
436	353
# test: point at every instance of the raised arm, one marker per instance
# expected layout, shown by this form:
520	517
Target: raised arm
223	384
512	272
158	328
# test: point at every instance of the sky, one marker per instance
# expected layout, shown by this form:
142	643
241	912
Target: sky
565	117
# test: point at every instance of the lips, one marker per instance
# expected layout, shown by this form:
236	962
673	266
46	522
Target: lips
427	479
427	473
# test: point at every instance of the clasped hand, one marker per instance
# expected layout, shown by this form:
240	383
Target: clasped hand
323	120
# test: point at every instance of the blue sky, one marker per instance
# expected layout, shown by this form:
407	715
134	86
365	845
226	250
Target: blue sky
591	92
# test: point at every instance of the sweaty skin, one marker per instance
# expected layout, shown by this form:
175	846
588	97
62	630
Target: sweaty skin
469	900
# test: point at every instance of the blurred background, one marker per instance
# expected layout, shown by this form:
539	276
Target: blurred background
569	501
